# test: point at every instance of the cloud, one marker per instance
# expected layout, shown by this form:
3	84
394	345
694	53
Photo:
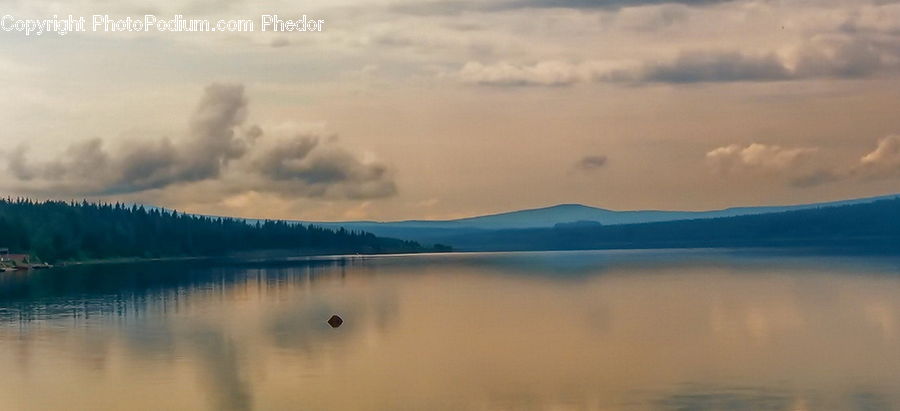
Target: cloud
591	162
795	164
218	149
301	165
842	57
89	168
831	57
652	18
694	67
821	57
546	73
280	42
883	162
756	156
80	161
883	17
713	67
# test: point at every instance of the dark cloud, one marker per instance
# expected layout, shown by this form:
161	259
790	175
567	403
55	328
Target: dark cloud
452	7
652	19
212	127
839	57
215	140
148	166
280	42
693	67
717	67
80	160
822	58
591	162
280	163
300	165
88	168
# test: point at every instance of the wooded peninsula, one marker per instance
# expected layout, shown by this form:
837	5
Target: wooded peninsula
55	231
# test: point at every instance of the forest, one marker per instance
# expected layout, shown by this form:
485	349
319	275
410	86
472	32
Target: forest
55	231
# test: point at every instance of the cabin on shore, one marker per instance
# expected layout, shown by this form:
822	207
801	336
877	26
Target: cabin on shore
14	260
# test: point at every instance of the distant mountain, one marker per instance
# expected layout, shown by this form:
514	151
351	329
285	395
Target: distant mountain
869	227
444	231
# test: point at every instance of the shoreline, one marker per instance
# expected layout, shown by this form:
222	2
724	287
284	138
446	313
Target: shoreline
325	256
261	257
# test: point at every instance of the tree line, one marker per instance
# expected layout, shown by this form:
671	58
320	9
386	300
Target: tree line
59	231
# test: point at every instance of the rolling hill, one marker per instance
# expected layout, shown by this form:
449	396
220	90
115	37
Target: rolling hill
871	227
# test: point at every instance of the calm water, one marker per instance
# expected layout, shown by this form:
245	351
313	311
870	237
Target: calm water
545	331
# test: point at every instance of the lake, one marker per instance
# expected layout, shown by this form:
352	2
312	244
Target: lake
604	330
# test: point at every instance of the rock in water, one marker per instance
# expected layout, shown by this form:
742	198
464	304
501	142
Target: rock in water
335	321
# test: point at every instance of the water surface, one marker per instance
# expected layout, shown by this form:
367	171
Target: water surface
636	330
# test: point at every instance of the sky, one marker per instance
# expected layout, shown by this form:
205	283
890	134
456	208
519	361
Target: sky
440	109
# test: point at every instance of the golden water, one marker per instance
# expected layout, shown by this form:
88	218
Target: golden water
545	331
